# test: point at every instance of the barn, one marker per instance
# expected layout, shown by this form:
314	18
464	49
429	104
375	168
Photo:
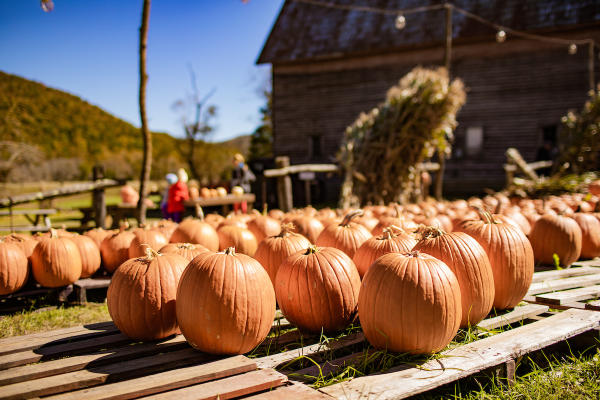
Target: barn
333	59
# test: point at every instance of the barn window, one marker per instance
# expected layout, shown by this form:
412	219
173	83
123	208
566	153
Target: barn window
315	146
473	141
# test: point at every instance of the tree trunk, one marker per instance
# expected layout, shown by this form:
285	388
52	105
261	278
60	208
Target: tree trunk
147	159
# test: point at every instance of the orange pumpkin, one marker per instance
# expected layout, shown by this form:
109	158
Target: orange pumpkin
196	231
409	303
347	236
391	241
556	234
90	255
25	243
141	295
240	238
510	255
471	265
14	270
308	227
263	226
143	238
187	250
317	289
590	234
115	249
225	303
97	235
56	261
272	251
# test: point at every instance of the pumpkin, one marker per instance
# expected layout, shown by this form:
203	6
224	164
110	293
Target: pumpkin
309	227
14	270
594	187
56	261
187	250
397	220
97	235
590	234
141	295
556	234
263	226
272	251
510	255
235	236
276	214
409	303
317	289
391	241
196	231
225	303
347	236
115	249
471	265
143	238
25	243
90	255
166	227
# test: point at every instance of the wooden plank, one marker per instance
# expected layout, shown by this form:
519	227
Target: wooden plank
561	284
295	169
65	349
37	340
89	283
327	367
593	305
292	391
588	263
404	381
570	296
34	211
235	386
278	359
563	273
98	375
164	381
518	314
76	363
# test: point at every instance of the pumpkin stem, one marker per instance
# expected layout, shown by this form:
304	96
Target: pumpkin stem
188	246
53	233
429	232
312	249
264	211
286	229
398	211
387	234
413	253
485	216
230	251
349	216
123	226
151	254
199	212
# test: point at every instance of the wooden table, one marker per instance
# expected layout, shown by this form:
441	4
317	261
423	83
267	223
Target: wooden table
34	216
117	212
225	202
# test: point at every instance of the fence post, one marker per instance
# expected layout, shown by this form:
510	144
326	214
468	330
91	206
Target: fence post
284	185
98	198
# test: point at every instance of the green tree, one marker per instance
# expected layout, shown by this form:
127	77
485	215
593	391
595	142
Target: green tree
261	141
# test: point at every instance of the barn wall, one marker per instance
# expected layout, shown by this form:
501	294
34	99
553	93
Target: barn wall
514	91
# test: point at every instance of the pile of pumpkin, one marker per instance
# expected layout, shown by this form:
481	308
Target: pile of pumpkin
412	274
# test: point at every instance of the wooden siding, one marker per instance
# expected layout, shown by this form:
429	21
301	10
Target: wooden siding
514	90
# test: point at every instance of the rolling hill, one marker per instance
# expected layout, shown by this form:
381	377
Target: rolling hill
46	133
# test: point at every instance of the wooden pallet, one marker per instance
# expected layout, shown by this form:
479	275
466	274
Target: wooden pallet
575	287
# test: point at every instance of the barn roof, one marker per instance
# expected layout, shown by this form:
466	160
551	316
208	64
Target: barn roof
307	32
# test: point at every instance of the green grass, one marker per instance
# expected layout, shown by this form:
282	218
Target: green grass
33	321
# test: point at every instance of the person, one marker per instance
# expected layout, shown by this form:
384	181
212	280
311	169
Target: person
171	180
241	176
178	193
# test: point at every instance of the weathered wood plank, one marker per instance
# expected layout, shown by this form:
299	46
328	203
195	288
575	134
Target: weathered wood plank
65	349
326	367
278	359
563	273
462	361
518	314
593	305
37	340
561	284
570	296
588	263
98	375
76	363
293	391
164	381
227	388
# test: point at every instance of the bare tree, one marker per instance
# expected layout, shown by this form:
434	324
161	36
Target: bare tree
147	158
197	128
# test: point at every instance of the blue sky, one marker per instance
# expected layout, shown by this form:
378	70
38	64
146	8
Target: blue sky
90	49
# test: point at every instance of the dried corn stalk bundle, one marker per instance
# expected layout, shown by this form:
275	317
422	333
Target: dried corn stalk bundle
382	147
